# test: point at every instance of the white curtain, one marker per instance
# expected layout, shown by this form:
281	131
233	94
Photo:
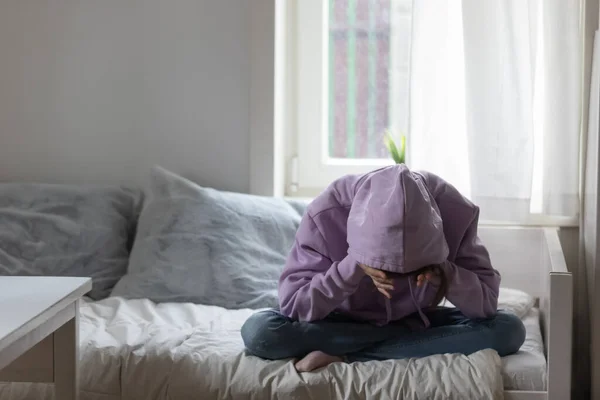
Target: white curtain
495	102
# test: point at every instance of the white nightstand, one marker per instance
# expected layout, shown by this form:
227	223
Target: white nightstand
39	326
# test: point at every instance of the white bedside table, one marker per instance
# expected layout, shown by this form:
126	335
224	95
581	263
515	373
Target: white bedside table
39	326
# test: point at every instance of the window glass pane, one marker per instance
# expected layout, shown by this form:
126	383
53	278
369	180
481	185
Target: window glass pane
359	84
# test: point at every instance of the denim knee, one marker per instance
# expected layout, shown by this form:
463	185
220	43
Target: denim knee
262	337
509	333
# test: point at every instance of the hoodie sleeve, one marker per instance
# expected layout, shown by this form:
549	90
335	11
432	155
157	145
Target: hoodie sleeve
473	284
312	285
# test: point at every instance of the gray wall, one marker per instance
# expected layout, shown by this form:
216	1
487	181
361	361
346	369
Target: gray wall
99	91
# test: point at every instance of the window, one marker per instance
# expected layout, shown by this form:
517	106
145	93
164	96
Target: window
358	55
487	93
352	65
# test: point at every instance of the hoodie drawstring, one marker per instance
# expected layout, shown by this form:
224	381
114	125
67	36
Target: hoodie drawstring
388	310
421	313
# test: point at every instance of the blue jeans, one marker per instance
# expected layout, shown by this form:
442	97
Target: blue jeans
271	335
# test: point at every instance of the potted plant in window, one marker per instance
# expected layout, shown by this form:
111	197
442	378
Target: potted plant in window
398	155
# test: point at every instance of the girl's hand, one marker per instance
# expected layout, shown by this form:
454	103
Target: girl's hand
428	275
382	282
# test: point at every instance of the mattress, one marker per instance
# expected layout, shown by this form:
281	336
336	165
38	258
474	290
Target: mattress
135	349
526	370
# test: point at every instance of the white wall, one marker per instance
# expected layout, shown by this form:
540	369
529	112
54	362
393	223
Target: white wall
99	91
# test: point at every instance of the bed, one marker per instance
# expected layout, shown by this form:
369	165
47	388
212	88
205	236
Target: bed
531	259
136	349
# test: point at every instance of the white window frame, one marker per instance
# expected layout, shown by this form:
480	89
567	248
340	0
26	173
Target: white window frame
311	168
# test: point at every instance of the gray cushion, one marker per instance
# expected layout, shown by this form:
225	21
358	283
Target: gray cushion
200	245
67	230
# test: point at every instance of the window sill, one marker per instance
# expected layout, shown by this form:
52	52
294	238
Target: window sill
534	220
537	221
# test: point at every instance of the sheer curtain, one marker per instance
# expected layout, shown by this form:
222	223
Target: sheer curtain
495	102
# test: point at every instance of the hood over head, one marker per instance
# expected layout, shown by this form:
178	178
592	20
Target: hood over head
394	223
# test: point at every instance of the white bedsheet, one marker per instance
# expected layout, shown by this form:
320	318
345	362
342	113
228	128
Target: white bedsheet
526	370
134	349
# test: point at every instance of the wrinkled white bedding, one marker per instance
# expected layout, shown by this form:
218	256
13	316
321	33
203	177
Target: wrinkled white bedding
135	349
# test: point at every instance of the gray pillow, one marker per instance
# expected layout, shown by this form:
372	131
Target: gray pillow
200	245
67	230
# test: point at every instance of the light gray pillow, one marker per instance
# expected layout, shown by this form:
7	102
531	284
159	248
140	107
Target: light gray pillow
67	230
200	245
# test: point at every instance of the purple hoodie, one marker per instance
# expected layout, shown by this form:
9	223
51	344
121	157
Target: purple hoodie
395	220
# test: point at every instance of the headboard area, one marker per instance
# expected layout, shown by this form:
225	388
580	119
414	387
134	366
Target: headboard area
516	254
532	260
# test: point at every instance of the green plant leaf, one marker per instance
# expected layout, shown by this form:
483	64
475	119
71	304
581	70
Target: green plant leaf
403	149
397	155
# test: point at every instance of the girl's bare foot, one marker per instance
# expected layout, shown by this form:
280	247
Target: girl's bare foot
315	360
